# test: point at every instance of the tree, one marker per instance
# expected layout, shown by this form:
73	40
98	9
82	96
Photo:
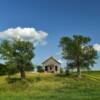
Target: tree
78	52
17	55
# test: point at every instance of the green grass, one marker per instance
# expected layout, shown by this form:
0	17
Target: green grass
51	87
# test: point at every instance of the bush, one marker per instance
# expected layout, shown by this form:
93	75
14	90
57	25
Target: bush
40	69
3	69
67	72
61	70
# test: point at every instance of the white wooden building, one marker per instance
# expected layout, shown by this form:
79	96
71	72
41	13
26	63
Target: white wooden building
51	65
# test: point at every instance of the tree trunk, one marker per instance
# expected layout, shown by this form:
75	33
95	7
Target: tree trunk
78	72
22	73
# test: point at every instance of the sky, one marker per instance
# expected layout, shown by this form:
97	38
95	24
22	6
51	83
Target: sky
53	19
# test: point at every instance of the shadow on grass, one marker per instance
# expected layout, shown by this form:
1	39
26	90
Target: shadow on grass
13	79
16	79
67	74
61	75
34	79
71	76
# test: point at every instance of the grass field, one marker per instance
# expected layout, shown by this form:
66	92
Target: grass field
51	87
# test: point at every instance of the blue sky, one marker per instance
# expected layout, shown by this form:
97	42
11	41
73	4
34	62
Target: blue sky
56	17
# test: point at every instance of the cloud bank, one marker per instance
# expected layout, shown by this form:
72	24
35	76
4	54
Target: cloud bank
97	47
29	34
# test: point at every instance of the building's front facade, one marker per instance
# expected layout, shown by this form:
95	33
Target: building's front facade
51	65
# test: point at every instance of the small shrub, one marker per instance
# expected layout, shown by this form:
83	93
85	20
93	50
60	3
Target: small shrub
61	70
3	69
40	69
67	72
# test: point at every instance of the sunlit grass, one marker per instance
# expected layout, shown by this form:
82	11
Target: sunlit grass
43	86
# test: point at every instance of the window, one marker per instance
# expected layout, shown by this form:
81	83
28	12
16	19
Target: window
56	68
46	68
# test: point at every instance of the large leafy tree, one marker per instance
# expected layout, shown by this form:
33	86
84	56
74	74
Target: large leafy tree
17	55
78	52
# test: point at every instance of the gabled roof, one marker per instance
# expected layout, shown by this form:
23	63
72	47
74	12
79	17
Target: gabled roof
51	58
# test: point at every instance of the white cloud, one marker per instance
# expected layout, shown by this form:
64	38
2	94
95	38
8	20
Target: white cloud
30	34
97	47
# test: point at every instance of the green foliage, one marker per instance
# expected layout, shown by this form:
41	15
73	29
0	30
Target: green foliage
17	55
29	67
11	68
67	72
40	69
3	69
78	52
61	70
